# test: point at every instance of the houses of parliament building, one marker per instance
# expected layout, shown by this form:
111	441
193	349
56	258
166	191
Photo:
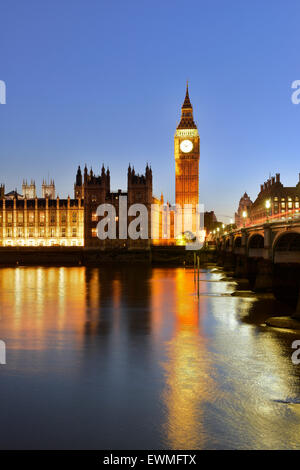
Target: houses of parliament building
29	220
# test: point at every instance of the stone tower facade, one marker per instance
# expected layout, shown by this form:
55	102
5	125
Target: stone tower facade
139	187
96	188
78	186
48	189
187	156
28	190
139	191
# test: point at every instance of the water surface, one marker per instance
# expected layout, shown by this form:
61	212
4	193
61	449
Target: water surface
131	357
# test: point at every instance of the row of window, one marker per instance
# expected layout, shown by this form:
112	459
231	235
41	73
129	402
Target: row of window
262	214
286	203
289	198
41	217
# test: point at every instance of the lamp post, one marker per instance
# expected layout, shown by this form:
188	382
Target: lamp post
268	205
244	215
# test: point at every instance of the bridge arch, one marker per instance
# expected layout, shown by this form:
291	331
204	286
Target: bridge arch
286	248
237	242
256	241
286	271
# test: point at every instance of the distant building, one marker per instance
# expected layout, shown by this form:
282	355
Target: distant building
245	205
210	221
13	195
284	200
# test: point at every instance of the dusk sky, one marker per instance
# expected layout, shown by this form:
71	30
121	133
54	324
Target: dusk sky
94	81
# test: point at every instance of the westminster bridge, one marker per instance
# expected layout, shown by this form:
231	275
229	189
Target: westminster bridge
267	255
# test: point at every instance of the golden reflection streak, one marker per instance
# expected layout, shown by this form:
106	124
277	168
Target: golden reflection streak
188	383
37	299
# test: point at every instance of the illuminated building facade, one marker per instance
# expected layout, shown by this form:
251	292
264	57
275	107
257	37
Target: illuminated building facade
284	201
244	207
41	222
29	220
95	190
274	201
26	220
187	156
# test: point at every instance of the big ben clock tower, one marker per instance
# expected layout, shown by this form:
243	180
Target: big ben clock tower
187	156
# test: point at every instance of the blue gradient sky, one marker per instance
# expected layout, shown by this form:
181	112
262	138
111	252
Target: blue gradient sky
93	81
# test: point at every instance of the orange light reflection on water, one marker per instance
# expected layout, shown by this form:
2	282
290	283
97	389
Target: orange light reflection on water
188	378
38	301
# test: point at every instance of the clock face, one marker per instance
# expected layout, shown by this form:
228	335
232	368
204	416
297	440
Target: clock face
186	146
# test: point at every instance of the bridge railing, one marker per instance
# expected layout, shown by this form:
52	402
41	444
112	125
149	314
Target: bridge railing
287	216
291	214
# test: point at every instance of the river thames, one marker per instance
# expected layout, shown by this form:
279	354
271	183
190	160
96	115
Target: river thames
132	358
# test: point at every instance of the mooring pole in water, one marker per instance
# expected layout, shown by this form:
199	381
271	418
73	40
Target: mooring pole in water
194	266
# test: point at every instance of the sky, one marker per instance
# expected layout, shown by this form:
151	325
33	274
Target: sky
103	82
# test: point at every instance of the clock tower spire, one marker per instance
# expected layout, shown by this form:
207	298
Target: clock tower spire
187	119
187	156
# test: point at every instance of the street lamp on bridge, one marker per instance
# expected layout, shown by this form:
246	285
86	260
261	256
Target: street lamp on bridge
244	215
268	205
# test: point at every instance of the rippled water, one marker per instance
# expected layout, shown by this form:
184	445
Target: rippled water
132	357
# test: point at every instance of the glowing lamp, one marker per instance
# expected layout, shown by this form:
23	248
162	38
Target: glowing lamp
268	204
